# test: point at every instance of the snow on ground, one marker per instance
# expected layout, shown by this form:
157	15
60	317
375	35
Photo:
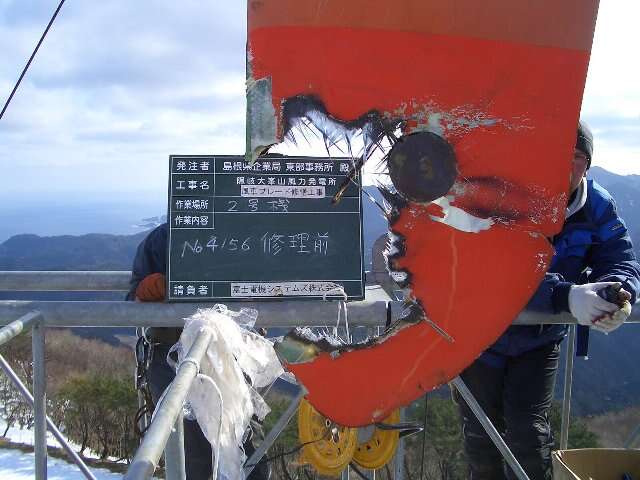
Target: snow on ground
18	435
17	465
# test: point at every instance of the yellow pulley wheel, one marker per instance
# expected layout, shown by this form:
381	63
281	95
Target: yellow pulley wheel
328	446
378	449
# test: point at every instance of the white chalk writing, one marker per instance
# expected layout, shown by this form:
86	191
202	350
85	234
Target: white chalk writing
270	244
299	243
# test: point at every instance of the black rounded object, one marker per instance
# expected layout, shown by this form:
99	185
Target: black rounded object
422	166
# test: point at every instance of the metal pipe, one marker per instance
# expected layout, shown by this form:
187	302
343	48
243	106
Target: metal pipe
174	451
276	430
146	459
87	281
119	281
137	314
272	314
40	400
568	380
632	438
398	458
369	474
52	428
525	317
68	281
489	428
16	327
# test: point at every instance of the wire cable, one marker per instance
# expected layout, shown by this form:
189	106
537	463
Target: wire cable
26	67
283	454
354	467
424	437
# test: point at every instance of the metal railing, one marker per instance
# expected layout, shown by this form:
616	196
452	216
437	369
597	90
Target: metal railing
168	412
17	316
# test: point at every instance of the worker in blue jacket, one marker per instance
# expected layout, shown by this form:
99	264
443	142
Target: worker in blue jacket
148	285
514	379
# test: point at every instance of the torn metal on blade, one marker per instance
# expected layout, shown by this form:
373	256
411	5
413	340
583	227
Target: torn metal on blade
301	111
302	345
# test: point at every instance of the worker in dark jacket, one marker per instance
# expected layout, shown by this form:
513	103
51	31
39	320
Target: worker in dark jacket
148	285
514	379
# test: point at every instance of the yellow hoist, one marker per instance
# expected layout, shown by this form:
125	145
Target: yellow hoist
329	447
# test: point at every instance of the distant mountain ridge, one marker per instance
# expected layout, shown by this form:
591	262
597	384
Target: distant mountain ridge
99	251
94	251
609	380
625	189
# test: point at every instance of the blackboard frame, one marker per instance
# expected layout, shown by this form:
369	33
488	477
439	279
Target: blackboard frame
296	287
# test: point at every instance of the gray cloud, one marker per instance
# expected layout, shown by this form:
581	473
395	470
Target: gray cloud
143	44
119	79
123	83
616	130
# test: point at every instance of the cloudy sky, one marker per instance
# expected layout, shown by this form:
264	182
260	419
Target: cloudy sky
119	85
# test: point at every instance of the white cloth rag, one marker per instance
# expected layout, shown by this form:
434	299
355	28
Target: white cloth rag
234	352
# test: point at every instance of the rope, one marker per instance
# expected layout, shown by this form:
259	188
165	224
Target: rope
147	408
143	351
342	306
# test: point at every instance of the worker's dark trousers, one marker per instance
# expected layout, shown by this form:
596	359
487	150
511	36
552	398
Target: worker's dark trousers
196	446
516	397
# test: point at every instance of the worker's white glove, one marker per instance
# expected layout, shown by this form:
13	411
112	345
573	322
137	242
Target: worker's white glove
585	304
610	322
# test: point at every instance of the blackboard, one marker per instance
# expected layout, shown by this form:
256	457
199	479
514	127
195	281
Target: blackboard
263	231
